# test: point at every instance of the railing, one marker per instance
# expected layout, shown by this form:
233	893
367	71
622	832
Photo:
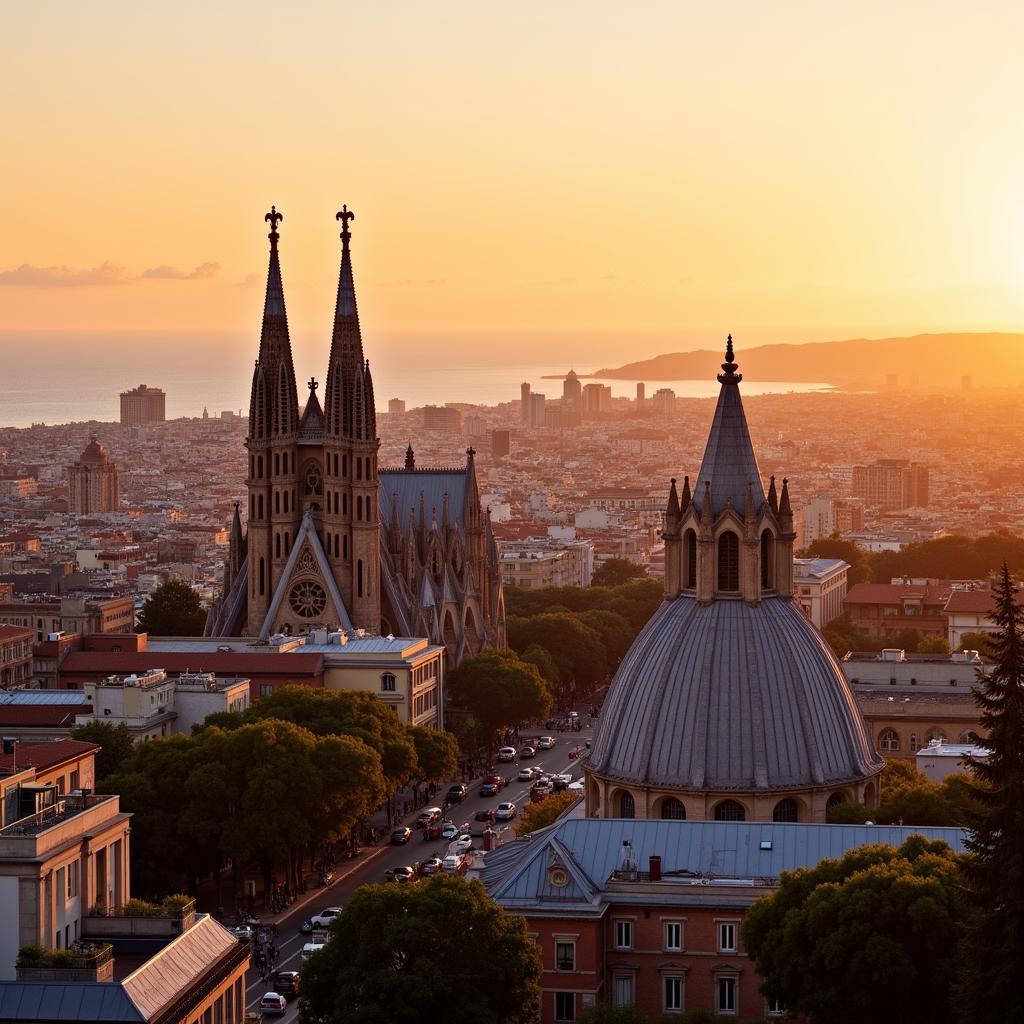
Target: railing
47	817
696	878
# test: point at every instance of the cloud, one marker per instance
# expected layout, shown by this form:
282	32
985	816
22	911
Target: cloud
165	273
106	274
28	276
251	280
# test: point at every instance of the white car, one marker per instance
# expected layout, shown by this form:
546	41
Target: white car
401	874
525	774
310	948
461	845
546	742
450	830
273	1004
505	811
507	754
325	917
574	714
454	864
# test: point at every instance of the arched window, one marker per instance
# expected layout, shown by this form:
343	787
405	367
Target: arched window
968	737
359	469
344	465
359	577
277	464
387	682
785	810
767	560
344	546
729	810
673	809
359	506
344	504
913	742
277	502
728	561
260	506
690	559
287	542
263	577
627	808
834	801
889	741
277	544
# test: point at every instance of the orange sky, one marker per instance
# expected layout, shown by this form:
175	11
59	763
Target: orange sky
794	171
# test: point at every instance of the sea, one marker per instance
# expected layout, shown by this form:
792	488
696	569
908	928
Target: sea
46	380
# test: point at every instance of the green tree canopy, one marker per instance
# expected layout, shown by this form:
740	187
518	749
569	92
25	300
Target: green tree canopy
577	650
616	633
437	753
433	950
836	547
541	657
173	609
933	645
115	741
499	690
615	571
980	642
868	937
990	990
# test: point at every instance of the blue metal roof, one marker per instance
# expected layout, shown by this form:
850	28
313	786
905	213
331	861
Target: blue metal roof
433	484
42	697
45	1001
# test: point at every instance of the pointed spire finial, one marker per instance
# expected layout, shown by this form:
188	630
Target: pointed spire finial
673	501
730	366
345	215
410	457
470	452
785	509
312	384
273	218
773	498
687	498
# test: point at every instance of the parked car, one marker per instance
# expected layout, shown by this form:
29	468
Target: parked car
449	830
505	811
324	918
454	864
456	793
400	835
273	1004
527	752
430	866
546	742
507	754
461	844
286	983
400	874
428	816
242	932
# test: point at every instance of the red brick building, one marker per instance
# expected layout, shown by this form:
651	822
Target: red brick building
15	656
882	609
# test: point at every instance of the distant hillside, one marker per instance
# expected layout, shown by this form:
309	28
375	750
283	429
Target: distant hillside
925	360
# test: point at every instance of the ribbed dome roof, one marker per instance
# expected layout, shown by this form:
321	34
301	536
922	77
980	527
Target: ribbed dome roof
728	696
94	452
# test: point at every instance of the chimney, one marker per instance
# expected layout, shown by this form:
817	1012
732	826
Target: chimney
655	868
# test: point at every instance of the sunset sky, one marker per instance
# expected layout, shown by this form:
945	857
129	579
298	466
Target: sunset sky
789	170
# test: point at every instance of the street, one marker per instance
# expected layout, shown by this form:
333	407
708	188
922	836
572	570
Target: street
375	861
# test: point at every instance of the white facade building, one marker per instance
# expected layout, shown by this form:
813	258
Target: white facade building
820	586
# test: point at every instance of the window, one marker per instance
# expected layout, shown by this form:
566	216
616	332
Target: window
627	807
785	810
774	1008
725	995
672	993
673	935
387	682
673	809
266	689
623	934
728	561
729	810
889	740
726	936
767	569
690	551
834	801
622	990
565	1006
565	956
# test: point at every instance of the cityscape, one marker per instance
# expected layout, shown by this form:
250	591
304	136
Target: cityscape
534	645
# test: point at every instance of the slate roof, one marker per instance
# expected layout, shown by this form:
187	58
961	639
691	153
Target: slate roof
409	484
729	696
45	1001
729	461
516	875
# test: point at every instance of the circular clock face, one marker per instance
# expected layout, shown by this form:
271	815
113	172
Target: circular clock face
308	600
559	877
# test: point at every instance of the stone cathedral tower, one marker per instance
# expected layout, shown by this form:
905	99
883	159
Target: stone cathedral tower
316	552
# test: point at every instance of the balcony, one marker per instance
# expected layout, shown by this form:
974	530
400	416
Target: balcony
138	919
84	961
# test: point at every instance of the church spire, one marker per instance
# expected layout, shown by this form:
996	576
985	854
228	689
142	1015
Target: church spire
410	458
349	392
274	404
236	551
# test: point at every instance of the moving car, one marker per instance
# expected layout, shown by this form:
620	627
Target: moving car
273	1004
400	835
430	866
507	754
325	917
461	844
456	793
400	874
491	785
428	816
449	830
527	752
505	811
546	742
286	983
525	774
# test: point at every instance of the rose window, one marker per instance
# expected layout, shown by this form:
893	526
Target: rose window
308	600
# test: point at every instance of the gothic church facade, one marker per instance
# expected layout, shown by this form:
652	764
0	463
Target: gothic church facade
332	540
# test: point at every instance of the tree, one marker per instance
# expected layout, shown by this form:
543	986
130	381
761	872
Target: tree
173	609
835	547
933	645
545	812
989	989
499	690
617	634
980	642
577	650
541	657
437	752
439	949
868	937
115	742
615	571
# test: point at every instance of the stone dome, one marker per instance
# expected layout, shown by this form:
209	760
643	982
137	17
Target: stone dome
94	452
731	697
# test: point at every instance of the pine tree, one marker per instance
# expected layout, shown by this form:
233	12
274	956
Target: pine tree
990	989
